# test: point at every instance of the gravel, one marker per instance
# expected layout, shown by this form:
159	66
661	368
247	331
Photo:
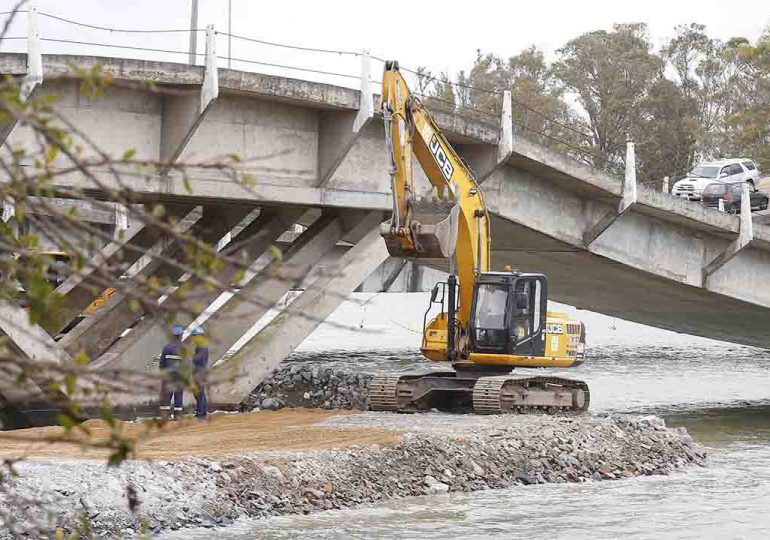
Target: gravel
312	385
438	453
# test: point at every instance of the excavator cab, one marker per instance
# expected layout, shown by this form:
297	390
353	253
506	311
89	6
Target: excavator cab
509	314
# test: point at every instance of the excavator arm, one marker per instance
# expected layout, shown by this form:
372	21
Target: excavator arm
454	222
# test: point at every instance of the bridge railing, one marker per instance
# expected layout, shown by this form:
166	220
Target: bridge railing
56	34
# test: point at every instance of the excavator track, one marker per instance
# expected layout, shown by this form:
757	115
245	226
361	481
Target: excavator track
383	392
519	393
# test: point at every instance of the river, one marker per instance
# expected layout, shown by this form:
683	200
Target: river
720	392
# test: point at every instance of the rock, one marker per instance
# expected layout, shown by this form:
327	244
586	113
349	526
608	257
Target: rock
272	471
477	470
271	404
525	478
215	467
434	486
306	395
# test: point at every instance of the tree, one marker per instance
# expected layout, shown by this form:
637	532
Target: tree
611	74
746	130
704	72
665	134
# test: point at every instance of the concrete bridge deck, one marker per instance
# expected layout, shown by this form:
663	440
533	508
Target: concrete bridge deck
652	258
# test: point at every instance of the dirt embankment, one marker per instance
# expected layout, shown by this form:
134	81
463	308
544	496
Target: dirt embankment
222	435
298	461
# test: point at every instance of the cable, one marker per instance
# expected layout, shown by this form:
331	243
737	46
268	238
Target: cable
118	46
308	70
286	46
456	105
494	93
122	30
12	38
11	12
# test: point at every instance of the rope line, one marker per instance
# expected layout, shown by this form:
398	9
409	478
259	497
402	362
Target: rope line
131	47
308	70
109	29
287	46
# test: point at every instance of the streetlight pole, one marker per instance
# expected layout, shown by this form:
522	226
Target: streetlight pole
193	31
229	33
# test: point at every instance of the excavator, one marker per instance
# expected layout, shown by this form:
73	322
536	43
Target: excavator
489	322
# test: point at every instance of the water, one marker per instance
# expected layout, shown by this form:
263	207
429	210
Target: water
720	392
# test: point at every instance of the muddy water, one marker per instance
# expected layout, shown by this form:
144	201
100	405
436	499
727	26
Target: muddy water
721	393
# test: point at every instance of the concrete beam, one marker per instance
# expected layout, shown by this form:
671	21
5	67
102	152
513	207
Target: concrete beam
627	201
114	259
35	344
393	276
239	314
339	130
744	239
215	223
96	332
258	358
146	339
34	76
184	110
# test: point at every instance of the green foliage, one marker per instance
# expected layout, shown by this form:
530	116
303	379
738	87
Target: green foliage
695	98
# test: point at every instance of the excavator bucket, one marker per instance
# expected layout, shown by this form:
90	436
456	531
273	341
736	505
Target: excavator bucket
433	230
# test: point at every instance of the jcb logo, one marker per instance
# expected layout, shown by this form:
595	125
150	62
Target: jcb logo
441	158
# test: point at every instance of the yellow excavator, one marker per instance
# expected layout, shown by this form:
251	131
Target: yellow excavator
489	322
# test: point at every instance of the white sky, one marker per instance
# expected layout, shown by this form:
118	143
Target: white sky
440	35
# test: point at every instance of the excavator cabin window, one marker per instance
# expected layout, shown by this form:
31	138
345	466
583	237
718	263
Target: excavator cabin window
490	321
508	316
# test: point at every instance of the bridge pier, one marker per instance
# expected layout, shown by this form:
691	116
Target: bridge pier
240	374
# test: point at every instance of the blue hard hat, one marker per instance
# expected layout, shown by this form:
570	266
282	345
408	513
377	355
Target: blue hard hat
177	330
198	331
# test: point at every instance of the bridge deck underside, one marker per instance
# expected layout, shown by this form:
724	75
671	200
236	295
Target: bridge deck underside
597	283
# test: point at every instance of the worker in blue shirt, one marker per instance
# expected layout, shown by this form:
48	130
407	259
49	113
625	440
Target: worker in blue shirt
200	370
171	367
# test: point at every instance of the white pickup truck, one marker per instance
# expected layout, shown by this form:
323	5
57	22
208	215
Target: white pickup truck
728	171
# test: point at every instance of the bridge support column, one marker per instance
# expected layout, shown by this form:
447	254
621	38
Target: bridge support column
627	201
745	238
236	317
96	332
484	160
31	341
34	77
79	289
137	349
258	358
338	131
183	112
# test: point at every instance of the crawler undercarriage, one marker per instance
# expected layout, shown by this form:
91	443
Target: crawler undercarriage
483	392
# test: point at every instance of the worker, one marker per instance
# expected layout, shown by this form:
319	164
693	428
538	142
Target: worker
200	370
171	367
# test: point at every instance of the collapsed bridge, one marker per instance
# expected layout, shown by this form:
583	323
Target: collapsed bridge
318	159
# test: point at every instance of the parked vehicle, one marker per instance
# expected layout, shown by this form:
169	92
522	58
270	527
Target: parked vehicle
728	171
731	194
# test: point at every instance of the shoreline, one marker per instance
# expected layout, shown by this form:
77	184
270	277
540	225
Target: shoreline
345	459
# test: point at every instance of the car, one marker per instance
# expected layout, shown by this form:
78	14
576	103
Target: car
731	194
728	171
